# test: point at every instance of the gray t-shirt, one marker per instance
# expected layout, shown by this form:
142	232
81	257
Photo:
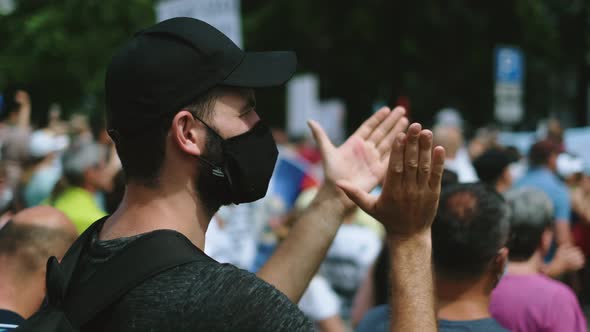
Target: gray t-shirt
377	320
199	296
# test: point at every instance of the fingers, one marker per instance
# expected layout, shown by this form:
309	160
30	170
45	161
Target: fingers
395	170
411	155
437	168
384	128
424	160
371	123
384	146
320	136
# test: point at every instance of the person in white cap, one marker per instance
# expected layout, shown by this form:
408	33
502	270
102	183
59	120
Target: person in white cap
44	147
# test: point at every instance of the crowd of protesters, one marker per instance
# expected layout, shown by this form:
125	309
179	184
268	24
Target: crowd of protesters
515	262
508	244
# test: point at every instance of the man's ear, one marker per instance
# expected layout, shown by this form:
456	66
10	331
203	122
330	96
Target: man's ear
499	265
502	259
188	133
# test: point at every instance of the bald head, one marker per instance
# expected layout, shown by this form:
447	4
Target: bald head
26	242
449	138
35	234
46	216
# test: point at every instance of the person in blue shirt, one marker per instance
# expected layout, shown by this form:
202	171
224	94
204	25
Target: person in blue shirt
542	175
469	235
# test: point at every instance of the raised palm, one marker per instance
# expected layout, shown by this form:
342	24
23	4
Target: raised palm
362	160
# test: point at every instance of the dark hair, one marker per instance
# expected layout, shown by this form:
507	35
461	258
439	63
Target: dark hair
74	167
32	245
532	214
142	158
541	151
449	178
471	225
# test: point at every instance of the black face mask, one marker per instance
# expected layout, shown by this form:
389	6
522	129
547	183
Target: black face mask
247	164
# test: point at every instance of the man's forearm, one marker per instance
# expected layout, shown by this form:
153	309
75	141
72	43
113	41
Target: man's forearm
412	297
563	232
298	257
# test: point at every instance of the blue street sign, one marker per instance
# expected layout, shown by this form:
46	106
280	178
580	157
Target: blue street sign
509	65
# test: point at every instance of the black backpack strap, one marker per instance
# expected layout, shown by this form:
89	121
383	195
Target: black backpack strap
58	275
141	259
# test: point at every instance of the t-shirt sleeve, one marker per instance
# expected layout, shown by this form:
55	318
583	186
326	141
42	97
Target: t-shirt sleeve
237	300
319	301
562	206
565	313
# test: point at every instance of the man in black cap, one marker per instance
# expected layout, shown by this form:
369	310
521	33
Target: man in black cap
181	110
492	168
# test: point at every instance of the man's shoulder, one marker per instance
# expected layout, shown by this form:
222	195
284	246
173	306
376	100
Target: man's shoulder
209	276
206	286
207	295
376	319
558	289
545	181
535	285
483	325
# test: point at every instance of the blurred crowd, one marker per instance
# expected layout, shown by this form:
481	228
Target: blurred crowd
69	165
517	240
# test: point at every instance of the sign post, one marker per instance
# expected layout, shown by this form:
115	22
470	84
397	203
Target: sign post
509	73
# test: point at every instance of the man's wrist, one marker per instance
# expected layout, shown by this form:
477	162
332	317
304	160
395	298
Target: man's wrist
419	240
329	192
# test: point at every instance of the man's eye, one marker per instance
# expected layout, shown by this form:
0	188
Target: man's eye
250	109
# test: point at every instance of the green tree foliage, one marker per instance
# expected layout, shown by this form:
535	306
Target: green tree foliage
438	53
59	49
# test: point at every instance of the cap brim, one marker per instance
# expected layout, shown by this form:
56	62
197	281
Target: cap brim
263	69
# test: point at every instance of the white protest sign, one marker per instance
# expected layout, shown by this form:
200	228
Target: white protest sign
302	103
332	117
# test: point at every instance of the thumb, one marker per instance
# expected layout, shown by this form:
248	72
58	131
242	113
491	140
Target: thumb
320	136
361	198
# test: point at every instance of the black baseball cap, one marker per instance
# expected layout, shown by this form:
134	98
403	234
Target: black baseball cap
167	66
491	164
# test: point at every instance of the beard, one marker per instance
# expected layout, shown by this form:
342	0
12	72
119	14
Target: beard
213	191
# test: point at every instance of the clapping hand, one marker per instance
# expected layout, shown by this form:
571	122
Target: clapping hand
409	199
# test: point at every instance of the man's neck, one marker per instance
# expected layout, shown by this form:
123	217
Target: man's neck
15	298
531	266
467	300
144	210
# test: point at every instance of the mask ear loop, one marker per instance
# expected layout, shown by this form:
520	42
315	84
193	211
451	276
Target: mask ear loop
215	169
